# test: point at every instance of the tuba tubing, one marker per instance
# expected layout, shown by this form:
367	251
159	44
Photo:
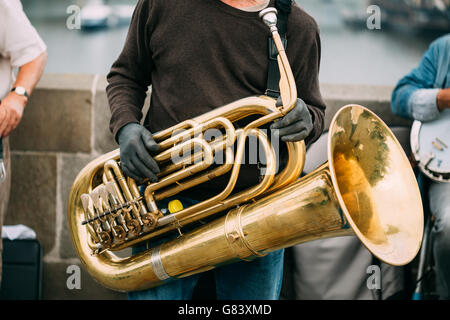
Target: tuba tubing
346	196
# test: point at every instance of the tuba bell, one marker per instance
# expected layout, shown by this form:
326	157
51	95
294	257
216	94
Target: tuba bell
367	188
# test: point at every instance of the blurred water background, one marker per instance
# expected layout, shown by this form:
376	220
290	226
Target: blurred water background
351	54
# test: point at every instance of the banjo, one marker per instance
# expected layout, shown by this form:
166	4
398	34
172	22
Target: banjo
430	143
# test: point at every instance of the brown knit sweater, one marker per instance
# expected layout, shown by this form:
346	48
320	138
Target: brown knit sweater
202	54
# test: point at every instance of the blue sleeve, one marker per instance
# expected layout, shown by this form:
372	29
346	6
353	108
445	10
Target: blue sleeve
422	77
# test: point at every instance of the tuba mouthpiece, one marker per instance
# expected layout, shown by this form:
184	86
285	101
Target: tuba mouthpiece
269	17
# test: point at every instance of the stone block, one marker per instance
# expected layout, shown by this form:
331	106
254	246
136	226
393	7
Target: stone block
55	285
71	165
33	194
58	116
103	138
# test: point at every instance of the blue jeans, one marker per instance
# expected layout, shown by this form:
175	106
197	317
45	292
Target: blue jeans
259	279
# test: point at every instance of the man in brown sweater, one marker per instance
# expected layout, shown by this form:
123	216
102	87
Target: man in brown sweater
199	55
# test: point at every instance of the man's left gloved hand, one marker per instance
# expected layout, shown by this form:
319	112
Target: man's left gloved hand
296	125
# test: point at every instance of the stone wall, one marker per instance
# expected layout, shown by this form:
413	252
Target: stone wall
65	126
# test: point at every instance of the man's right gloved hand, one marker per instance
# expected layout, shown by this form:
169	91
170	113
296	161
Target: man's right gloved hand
136	143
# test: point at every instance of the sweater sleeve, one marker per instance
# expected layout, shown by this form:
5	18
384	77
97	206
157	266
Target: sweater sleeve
306	74
414	97
130	75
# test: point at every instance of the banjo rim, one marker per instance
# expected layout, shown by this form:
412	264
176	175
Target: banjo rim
415	148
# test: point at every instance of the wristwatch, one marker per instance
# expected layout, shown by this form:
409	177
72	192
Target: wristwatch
21	91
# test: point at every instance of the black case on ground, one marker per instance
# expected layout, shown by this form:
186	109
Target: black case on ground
22	270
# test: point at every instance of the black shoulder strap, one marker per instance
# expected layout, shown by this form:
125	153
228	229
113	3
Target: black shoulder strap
273	74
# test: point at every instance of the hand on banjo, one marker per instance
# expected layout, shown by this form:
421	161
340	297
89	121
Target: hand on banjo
443	99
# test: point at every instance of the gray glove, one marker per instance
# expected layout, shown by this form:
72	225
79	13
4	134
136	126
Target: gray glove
296	125
136	144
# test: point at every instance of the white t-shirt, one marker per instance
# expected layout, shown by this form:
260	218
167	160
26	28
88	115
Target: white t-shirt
19	42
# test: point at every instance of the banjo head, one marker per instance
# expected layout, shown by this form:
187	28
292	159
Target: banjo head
430	143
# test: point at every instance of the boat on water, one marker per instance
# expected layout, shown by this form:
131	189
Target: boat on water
98	14
418	15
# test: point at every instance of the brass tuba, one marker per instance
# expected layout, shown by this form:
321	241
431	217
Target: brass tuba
367	189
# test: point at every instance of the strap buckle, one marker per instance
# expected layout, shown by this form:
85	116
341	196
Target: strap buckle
273	73
272	93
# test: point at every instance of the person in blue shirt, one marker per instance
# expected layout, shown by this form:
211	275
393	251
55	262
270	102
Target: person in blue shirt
422	95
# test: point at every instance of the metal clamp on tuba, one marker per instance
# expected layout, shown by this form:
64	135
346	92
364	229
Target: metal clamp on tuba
367	188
